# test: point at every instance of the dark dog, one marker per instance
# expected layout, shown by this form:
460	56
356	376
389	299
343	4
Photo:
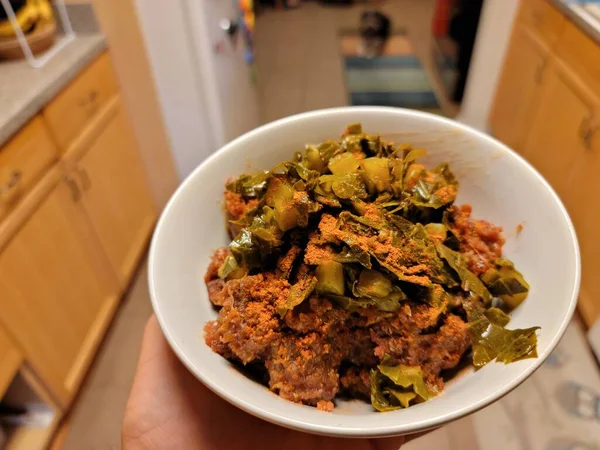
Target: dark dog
374	32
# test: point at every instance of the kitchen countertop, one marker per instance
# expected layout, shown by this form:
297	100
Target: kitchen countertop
586	15
24	91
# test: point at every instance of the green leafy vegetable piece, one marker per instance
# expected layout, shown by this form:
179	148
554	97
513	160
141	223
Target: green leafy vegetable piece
330	276
408	377
437	190
414	154
390	303
373	284
313	159
351	304
380	401
256	244
437	231
298	293
328	150
376	174
354	254
353	128
249	186
492	341
229	266
469	281
329	201
343	163
347	186
404	397
506	282
497	316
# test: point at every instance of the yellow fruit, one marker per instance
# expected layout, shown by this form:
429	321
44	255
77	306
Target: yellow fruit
27	17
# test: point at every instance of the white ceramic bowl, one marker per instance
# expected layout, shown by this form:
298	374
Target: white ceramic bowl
500	185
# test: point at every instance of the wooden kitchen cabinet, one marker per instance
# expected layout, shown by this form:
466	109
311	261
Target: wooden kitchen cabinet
116	194
555	139
555	123
518	87
57	290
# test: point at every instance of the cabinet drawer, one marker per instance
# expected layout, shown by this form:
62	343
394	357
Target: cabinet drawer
67	115
10	361
542	18
23	161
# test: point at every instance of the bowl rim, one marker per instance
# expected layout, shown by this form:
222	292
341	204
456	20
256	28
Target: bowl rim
356	432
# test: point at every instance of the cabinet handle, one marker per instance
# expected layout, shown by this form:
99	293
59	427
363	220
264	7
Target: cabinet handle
586	132
12	182
86	182
74	187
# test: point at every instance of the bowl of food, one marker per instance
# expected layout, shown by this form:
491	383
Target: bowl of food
363	280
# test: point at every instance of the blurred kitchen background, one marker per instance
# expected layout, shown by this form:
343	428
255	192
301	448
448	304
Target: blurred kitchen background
106	105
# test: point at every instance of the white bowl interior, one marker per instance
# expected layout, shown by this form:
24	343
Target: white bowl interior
501	187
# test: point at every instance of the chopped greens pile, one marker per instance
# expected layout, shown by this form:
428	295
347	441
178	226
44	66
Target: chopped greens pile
385	236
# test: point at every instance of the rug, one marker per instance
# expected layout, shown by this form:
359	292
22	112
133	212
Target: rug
396	78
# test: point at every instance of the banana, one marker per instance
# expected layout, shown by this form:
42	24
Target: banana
45	11
35	12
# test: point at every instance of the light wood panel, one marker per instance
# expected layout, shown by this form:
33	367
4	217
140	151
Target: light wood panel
55	286
542	18
518	88
119	22
581	200
554	141
10	361
581	53
116	194
79	102
23	161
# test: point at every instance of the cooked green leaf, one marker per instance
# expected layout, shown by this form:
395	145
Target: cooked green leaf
348	185
404	397
379	400
353	128
497	316
469	281
343	163
249	186
298	293
408	377
228	266
354	254
492	341
506	282
330	276
372	283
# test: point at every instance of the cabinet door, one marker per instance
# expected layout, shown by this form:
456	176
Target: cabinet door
116	194
582	201
57	291
518	87
554	140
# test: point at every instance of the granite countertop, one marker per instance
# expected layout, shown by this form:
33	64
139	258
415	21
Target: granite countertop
24	91
584	13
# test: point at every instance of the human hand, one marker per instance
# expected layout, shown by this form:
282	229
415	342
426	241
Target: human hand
169	408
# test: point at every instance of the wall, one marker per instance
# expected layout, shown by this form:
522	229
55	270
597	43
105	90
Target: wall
119	22
179	85
493	35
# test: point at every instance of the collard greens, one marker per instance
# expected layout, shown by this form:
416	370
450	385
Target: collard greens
385	230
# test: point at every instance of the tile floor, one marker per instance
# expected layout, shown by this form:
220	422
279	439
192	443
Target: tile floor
299	63
299	69
95	420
